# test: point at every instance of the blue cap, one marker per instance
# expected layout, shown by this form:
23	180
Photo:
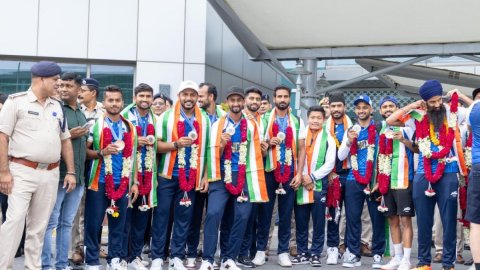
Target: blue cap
363	98
430	89
388	98
266	97
90	82
45	69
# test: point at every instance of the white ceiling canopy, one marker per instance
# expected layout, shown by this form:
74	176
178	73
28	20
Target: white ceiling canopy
349	29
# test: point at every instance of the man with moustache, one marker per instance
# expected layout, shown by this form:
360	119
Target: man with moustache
359	145
142	117
207	96
159	104
397	187
33	136
113	185
67	204
311	196
436	180
265	105
236	180
253	97
283	166
183	133
92	109
336	125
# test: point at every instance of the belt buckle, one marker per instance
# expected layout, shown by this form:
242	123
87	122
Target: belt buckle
42	166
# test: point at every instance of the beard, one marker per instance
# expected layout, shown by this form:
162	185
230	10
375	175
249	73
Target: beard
281	105
236	109
337	115
437	116
253	107
205	104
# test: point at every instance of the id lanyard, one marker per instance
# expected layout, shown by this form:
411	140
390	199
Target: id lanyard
230	122
116	136
282	122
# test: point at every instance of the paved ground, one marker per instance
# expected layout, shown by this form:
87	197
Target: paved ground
272	263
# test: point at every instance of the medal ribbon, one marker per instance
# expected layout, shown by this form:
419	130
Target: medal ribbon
142	122
188	120
230	122
116	136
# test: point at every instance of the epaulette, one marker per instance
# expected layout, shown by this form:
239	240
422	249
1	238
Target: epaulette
56	99
19	94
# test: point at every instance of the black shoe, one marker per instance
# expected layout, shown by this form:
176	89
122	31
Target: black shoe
315	261
245	262
300	259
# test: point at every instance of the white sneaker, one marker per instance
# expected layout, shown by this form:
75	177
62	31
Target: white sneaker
377	261
350	260
93	267
332	255
404	264
190	263
206	265
259	258
392	264
157	264
117	264
176	264
137	264
229	265
284	260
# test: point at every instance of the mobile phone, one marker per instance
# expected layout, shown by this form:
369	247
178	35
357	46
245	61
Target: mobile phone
88	125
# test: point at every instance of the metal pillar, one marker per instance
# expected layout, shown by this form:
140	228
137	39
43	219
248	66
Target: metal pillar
377	72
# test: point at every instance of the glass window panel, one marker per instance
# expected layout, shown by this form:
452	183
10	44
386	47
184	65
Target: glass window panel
14	76
80	69
121	76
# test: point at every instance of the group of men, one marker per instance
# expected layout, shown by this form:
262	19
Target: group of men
219	174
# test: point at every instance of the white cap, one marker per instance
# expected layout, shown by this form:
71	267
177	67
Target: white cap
188	85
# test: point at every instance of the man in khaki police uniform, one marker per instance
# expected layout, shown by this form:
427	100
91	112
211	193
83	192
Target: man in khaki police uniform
33	134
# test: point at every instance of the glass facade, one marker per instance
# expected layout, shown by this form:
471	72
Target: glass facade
15	76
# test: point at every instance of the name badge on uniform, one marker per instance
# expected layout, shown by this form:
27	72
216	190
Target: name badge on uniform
34	113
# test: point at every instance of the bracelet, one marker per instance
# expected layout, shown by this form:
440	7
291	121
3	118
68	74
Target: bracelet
175	145
100	153
71	173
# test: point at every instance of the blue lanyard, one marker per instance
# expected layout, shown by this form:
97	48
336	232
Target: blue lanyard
116	136
141	122
282	122
188	120
213	117
231	122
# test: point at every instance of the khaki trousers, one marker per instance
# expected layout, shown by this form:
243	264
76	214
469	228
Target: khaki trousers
32	200
366	226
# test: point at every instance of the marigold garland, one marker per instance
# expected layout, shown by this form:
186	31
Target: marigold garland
187	185
112	193
287	162
364	179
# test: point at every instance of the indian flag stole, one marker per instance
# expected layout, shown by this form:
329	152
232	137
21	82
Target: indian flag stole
98	144
316	152
294	122
255	176
129	115
166	130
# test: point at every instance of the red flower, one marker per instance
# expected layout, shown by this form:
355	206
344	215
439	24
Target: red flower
334	193
364	180
185	185
111	193
385	148
279	177
242	168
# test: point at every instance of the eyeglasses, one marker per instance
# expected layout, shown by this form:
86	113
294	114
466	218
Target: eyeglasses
158	104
